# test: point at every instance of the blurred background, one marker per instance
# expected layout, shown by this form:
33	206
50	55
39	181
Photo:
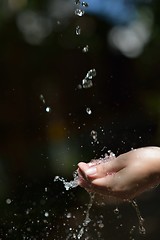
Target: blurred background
77	79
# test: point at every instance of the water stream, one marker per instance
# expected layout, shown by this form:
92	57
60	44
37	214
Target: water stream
87	82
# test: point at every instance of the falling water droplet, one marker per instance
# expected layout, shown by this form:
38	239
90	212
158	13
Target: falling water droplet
46	214
42	98
48	109
78	30
100	224
84	4
8	201
142	229
77	2
85	49
94	135
89	111
116	211
87	83
87	217
91	73
79	86
69	215
78	12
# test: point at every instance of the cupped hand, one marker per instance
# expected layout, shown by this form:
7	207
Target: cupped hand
124	177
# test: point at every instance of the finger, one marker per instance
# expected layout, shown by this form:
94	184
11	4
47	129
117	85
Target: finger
83	166
101	186
105	168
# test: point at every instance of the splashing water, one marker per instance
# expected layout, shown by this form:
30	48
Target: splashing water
87	218
68	185
142	229
78	234
107	157
73	184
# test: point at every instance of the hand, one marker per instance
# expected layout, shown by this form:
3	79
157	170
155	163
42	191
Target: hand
124	177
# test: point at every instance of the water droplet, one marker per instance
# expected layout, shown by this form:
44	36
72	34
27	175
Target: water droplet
91	73
42	98
94	135
142	229
69	215
101	225
132	230
87	218
116	211
85	49
79	86
58	22
48	109
46	214
84	4
89	111
87	83
77	2
78	30
8	201
79	12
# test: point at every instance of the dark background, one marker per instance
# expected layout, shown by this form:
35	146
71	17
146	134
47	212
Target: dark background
41	65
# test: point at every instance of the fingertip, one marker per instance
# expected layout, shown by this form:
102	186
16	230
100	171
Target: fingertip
83	166
80	164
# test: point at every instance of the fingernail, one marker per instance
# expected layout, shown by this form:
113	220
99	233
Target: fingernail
91	171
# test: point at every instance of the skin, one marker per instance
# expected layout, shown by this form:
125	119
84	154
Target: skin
124	177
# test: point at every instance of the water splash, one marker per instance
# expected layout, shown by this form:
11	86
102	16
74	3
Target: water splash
68	185
87	219
107	157
142	229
